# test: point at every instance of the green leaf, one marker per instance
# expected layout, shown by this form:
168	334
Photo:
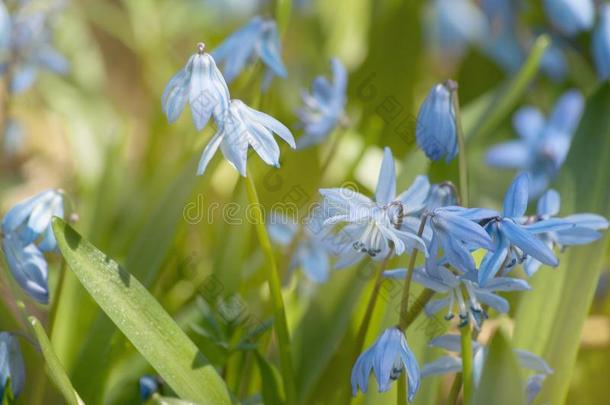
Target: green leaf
270	380
54	368
142	319
501	376
550	318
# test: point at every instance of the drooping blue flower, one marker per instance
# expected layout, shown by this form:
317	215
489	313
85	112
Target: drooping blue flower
258	39
570	16
451	25
586	228
373	228
149	385
27	236
324	108
388	358
436	129
241	127
453	364
514	241
544	144
11	364
201	84
441	195
601	42
312	252
461	295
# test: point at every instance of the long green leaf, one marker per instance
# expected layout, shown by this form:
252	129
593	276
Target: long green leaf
550	318
142	319
54	367
501	380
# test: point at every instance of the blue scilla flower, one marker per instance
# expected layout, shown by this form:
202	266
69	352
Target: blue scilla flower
453	364
544	143
388	358
441	195
324	108
570	16
27	236
586	228
201	84
11	364
513	240
501	42
149	385
258	39
460	295
312	252
436	130
451	25
241	127
601	42
373	228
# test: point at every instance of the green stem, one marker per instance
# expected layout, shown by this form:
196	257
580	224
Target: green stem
279	311
418	306
283	10
401	393
463	165
456	387
467	363
331	153
55	304
404	301
368	314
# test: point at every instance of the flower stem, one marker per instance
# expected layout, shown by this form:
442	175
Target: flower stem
368	314
279	311
401	393
418	306
462	163
57	295
404	301
283	10
456	387
467	363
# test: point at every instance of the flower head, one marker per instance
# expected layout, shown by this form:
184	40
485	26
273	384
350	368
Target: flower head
570	16
149	385
323	108
544	144
257	39
388	357
436	129
202	85
27	235
373	228
241	127
601	42
11	364
501	42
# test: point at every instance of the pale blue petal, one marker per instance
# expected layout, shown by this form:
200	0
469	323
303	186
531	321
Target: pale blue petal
12	365
515	201
507	284
434	306
415	196
601	42
282	230
529	122
449	342
533	387
528	243
591	221
532	362
493	261
208	92
410	363
549	225
510	155
494	301
436	130
570	16
577	236
549	203
314	263
267	121
29	268
176	93
386	183
208	153
270	50
442	365
361	371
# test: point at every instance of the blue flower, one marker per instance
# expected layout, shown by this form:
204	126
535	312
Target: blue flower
11	364
27	235
238	129
436	130
453	364
388	357
514	241
544	144
149	385
601	42
257	39
450	25
324	108
373	228
585	229
461	295
441	195
202	85
312	253
570	16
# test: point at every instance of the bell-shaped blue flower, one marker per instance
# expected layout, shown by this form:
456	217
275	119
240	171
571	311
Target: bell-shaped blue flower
373	228
11	364
544	144
27	235
570	16
436	129
238	129
324	108
258	39
601	42
201	84
149	385
388	358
